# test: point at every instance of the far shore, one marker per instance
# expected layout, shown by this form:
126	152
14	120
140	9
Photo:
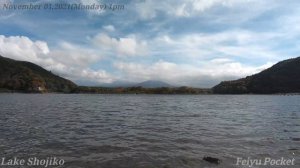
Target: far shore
139	91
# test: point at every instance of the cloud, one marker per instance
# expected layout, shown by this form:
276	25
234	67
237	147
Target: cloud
68	60
21	47
74	55
201	59
109	28
150	9
206	75
147	9
126	46
235	44
189	42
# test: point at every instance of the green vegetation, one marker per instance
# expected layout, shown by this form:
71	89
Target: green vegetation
24	76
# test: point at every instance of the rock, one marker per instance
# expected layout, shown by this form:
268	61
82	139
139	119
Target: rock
212	160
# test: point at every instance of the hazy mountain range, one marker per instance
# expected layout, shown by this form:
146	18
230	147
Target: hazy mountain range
144	84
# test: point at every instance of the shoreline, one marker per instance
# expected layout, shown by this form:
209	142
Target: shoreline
207	94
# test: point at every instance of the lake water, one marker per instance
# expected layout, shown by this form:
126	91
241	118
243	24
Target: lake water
149	131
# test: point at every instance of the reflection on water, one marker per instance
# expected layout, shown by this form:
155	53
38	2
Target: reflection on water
167	131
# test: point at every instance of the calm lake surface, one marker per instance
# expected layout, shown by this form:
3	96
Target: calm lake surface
149	131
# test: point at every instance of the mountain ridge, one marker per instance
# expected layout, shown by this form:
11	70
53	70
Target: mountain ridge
144	84
152	84
28	77
283	77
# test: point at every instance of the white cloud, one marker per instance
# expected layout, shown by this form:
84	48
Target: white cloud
224	67
182	11
127	46
206	75
109	28
68	60
74	55
21	47
234	43
192	56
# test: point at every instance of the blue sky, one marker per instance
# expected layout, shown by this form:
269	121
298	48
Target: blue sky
183	42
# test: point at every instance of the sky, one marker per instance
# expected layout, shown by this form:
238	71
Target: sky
196	43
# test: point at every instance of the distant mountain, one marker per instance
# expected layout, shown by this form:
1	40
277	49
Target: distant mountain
28	77
283	77
153	84
116	84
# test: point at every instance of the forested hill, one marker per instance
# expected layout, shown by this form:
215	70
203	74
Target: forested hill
283	77
28	77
